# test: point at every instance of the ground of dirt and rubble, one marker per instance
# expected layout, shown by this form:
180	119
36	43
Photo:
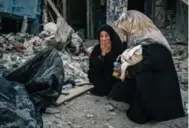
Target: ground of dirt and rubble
88	111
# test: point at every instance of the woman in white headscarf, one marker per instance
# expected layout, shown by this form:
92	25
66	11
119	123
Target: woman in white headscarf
152	88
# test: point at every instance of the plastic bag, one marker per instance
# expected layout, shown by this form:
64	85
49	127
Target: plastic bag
16	108
43	77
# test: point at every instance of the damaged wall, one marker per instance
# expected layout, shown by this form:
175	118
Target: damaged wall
162	13
181	21
114	9
159	15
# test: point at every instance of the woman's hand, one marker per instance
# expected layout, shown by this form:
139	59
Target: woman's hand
105	48
105	42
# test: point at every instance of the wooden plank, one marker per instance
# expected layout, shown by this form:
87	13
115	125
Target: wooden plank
45	15
65	9
78	90
24	24
54	8
51	17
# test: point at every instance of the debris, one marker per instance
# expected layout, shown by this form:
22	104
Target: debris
113	113
76	42
93	122
109	126
89	116
51	110
57	115
70	123
67	87
15	49
64	32
24	25
50	27
109	107
184	79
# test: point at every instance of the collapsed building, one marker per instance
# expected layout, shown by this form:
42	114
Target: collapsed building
86	16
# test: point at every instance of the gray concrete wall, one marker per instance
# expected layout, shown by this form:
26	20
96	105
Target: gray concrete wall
113	11
181	31
159	15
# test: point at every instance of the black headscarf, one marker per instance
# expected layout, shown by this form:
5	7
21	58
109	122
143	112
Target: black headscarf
117	45
101	67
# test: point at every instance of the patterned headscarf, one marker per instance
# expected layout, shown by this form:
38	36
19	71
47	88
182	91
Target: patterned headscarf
141	28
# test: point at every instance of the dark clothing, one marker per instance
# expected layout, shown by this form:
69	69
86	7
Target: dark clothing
101	70
101	67
153	92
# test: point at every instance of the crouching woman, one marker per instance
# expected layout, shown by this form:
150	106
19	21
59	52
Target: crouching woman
101	61
152	89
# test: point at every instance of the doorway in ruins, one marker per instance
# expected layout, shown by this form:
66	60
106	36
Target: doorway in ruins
76	15
98	16
86	16
136	5
144	6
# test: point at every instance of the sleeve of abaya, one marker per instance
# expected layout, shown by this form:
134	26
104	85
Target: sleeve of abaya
145	65
100	68
96	68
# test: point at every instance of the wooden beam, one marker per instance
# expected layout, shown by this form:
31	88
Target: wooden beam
54	8
45	15
78	90
24	24
65	9
51	17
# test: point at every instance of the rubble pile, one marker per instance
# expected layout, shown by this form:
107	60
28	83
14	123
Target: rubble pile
170	33
180	55
15	49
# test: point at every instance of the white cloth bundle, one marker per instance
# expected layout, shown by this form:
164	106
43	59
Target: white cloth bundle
130	57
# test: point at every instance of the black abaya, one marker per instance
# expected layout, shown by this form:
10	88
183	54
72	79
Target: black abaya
154	93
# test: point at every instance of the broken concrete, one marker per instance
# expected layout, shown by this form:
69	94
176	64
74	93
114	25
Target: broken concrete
17	49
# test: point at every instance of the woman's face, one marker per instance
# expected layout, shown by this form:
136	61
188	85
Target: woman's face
105	39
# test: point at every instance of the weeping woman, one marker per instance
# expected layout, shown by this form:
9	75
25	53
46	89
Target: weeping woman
101	60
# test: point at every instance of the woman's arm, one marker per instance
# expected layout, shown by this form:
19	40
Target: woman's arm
96	66
100	67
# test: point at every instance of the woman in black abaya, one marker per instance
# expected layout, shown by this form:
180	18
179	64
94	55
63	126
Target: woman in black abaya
152	89
101	60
